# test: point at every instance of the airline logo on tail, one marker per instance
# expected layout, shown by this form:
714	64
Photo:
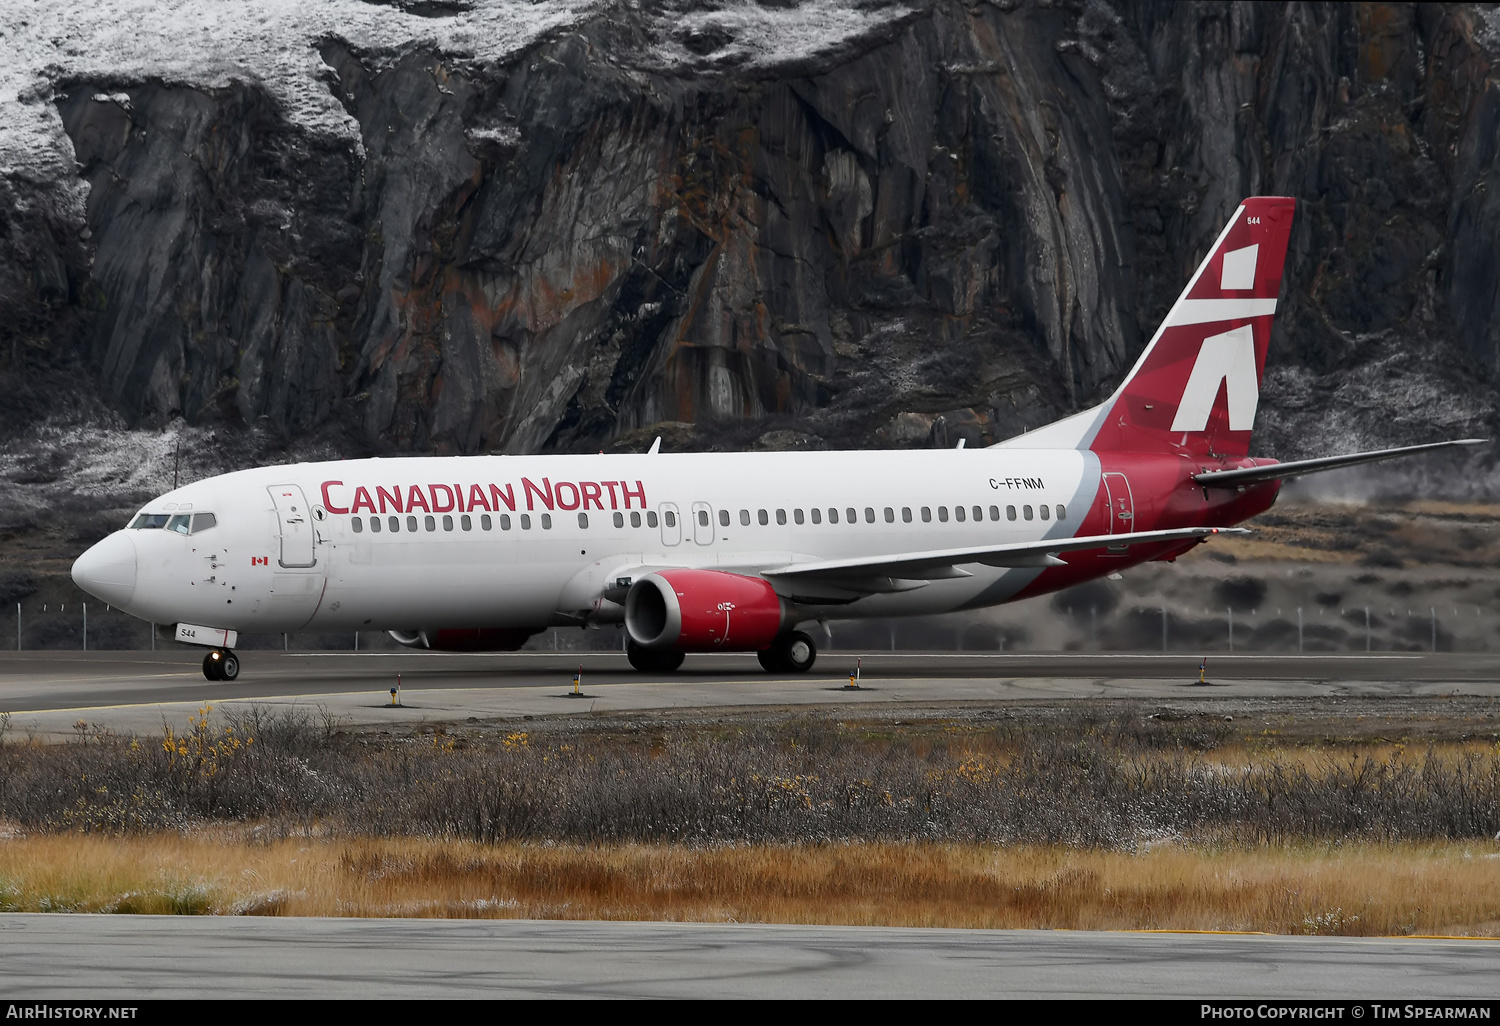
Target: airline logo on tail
1228	359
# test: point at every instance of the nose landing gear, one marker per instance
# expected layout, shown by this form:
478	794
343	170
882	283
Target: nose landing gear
221	664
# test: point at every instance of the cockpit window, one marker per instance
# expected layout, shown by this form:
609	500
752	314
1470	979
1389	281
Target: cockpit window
148	521
181	523
203	521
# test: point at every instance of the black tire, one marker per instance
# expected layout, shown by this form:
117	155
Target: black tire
653	660
212	663
229	666
770	662
793	653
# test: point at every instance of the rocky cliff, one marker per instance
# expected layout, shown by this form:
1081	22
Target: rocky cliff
462	227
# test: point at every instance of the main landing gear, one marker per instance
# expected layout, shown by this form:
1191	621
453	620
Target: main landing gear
789	653
653	660
221	664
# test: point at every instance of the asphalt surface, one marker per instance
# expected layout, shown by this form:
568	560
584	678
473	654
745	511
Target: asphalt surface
120	957
46	693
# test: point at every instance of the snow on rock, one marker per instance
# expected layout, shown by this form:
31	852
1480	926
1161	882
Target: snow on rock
46	43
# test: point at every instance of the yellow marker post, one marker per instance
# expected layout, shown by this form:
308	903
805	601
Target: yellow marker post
576	678
1202	668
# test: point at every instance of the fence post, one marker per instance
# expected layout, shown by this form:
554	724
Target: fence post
18	626
1231	628
85	626
153	637
1299	628
356	641
1367	628
286	645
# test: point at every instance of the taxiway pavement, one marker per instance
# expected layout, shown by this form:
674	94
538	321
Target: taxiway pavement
123	957
47	693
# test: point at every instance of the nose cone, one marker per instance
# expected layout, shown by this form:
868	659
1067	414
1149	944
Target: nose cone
107	571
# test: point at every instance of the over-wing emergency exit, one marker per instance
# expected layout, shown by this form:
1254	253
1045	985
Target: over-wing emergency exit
740	551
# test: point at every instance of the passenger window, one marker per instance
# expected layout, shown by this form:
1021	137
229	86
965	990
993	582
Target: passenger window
651	518
958	514
447	523
358	524
851	516
583	521
546	521
374	525
890	515
485	523
723	518
411	524
797	515
833	515
635	520
180	524
525	521
817	515
466	522
906	514
431	523
703	518
671	518
744	518
869	514
1043	511
781	517
762	517
1062	513
394	523
619	519
994	512
1010	512
943	514
1026	512
150	521
978	512
926	514
203	521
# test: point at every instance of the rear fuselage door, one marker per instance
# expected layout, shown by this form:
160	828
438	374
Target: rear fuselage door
298	539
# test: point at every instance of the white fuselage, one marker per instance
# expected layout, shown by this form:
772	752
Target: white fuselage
528	541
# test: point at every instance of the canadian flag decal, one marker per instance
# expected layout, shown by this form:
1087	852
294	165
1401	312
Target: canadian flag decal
1229	358
260	560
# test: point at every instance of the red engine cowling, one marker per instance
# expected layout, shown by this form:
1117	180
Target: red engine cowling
703	611
467	639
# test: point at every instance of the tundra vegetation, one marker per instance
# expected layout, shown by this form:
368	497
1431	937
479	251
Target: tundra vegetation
1101	816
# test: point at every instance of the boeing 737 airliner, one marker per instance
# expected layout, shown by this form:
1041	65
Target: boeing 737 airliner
733	552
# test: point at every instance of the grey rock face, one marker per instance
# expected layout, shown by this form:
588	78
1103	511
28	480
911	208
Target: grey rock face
963	222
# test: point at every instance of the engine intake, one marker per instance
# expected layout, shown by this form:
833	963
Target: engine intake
703	611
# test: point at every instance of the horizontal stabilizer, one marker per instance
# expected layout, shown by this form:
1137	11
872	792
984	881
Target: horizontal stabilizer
1281	471
939	563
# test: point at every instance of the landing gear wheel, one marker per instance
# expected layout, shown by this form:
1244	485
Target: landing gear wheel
789	653
221	664
653	660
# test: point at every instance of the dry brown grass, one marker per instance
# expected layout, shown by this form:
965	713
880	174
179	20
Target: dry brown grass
1353	890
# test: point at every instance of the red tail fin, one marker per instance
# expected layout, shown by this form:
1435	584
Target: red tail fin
1196	386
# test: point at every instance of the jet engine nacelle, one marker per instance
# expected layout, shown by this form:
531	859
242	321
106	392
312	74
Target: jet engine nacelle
466	639
703	611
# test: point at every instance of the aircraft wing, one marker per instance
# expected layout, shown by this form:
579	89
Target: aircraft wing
907	570
1280	471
